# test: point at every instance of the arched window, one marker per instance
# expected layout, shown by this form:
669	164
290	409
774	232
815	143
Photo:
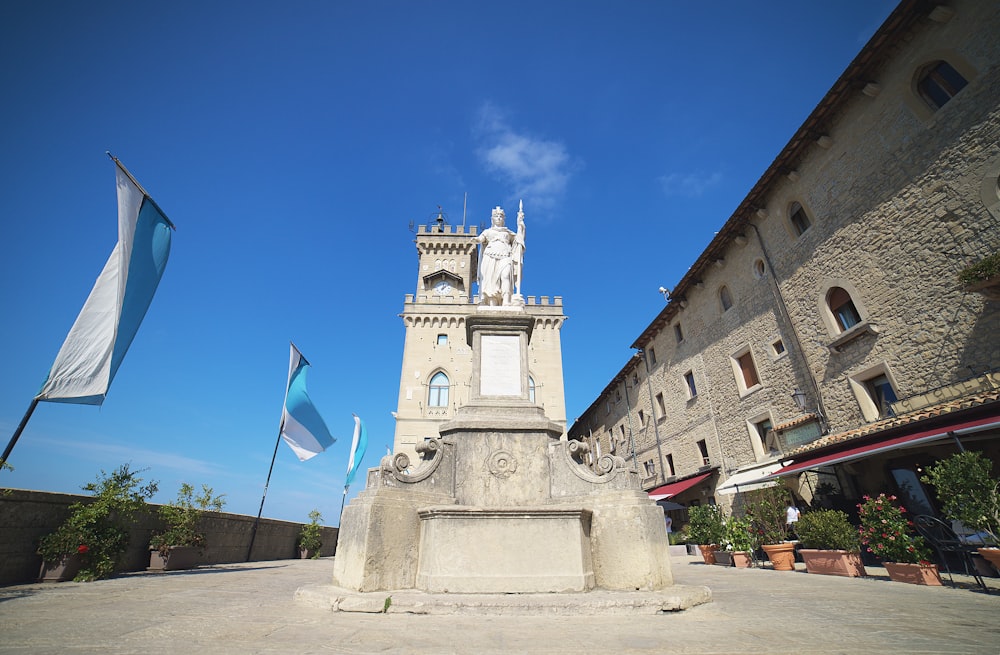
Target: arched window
725	298
531	389
800	221
939	83
843	309
438	396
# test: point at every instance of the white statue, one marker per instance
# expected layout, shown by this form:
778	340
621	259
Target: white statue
501	259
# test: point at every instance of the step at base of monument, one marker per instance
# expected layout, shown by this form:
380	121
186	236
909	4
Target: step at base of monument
596	602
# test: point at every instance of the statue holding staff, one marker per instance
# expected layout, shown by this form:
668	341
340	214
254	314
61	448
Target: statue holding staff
501	259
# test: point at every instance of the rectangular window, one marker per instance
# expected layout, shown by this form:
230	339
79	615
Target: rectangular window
778	347
670	465
882	395
703	451
621	428
618	395
650	468
442	340
642	419
661	408
800	221
635	379
608	406
678	332
611	442
652	356
689	381
748	369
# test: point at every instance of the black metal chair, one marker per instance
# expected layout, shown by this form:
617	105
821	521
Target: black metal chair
944	540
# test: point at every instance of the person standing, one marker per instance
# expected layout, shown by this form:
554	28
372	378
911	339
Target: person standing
791	516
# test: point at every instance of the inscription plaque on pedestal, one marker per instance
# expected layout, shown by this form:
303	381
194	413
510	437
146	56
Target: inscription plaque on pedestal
500	369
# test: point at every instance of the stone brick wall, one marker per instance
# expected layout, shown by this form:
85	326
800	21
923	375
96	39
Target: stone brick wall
900	198
26	516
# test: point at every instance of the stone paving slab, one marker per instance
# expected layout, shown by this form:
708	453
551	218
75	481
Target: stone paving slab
598	602
251	608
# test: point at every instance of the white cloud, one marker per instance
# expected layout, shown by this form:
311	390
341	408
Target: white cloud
537	170
691	184
103	452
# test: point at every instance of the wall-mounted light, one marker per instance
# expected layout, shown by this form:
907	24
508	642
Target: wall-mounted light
800	399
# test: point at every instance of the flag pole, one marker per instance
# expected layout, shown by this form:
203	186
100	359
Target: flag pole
342	501
253	531
19	430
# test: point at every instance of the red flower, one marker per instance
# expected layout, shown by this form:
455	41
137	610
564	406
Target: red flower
82	549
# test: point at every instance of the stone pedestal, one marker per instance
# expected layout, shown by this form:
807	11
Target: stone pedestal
501	502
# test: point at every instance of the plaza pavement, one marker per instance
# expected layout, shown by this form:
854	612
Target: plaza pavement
250	608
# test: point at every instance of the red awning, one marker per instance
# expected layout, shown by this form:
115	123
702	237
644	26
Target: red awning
869	449
674	488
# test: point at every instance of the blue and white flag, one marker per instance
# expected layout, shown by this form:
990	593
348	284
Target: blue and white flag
103	331
358	447
302	427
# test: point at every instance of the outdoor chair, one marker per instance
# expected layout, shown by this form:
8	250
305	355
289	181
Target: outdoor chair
944	541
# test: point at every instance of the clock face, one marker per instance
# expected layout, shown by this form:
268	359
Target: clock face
442	288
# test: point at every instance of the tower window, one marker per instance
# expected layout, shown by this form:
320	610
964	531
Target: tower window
799	219
882	394
531	389
678	332
725	298
438	394
939	83
442	340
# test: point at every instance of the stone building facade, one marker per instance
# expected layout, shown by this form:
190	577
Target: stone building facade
836	280
437	358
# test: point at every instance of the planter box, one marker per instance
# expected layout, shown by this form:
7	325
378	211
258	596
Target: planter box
678	551
925	574
723	558
176	559
833	562
991	555
65	569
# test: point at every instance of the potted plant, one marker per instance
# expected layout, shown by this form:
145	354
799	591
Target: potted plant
738	542
983	277
309	537
178	546
766	511
888	534
968	493
90	543
830	544
705	528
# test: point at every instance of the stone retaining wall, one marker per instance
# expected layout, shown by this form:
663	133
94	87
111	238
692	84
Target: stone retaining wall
26	516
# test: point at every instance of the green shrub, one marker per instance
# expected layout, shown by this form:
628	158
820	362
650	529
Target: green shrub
705	525
766	510
738	535
827	529
98	530
984	270
309	535
888	534
181	517
967	491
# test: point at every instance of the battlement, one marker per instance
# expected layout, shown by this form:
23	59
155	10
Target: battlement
459	230
529	301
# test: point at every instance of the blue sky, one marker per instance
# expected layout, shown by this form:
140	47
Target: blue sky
293	144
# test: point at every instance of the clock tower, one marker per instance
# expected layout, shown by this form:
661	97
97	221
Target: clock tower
437	358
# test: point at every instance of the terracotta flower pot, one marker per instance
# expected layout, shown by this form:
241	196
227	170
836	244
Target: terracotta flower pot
833	562
742	559
991	555
782	555
708	552
925	574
